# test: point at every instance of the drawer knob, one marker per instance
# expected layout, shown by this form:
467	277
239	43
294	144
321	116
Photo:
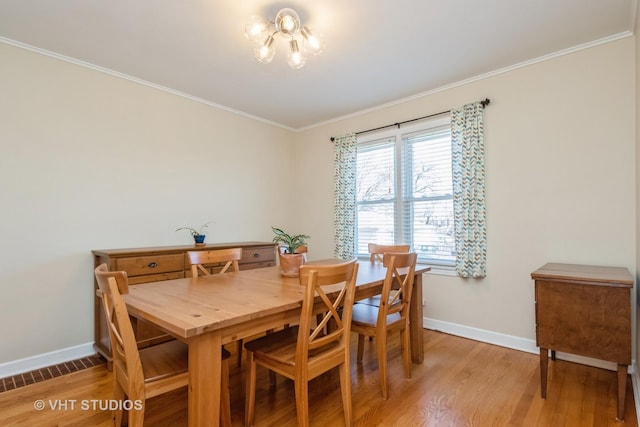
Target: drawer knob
256	255
153	265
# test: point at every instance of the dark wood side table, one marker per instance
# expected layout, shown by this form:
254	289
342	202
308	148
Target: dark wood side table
584	310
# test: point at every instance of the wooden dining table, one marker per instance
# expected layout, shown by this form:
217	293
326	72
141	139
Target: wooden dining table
210	311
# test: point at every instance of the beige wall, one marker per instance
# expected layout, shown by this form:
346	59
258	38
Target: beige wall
92	161
560	178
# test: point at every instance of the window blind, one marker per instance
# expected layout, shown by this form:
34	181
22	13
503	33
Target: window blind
404	193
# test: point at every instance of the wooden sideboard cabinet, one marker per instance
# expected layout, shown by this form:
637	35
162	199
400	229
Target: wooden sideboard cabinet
162	263
584	310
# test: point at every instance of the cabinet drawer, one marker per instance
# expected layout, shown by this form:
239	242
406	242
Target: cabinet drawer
258	254
156	277
153	264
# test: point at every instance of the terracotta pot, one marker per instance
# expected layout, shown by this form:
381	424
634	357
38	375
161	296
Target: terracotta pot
290	264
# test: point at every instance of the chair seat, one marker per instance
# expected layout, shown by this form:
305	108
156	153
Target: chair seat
367	315
281	347
374	301
273	340
164	360
167	359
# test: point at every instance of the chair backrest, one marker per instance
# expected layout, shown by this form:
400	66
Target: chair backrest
398	284
229	256
126	359
340	279
377	251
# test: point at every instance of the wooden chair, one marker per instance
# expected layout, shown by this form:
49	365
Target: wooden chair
198	259
303	352
376	254
391	316
141	374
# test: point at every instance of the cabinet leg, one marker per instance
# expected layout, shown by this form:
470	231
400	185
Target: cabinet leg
622	390
544	363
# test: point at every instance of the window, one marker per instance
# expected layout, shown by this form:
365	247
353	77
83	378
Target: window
404	191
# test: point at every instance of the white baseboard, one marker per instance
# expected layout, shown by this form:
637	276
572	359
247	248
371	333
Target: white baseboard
27	364
516	343
529	346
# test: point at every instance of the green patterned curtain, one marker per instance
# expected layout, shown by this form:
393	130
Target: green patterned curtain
467	149
344	161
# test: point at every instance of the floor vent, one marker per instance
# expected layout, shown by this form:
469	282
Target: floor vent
38	375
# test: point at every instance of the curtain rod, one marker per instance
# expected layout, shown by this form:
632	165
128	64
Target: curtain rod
484	103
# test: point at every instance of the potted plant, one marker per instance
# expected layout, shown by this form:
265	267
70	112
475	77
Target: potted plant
292	253
198	234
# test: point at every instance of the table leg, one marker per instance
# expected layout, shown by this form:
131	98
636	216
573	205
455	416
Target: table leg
622	390
415	321
205	358
544	363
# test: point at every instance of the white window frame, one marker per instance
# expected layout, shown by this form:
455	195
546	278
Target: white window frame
396	134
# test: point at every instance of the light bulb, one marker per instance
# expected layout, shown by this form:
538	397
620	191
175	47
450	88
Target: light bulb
265	52
288	24
288	21
312	43
256	28
295	59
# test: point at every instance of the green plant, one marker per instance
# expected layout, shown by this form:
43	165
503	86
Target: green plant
195	232
290	242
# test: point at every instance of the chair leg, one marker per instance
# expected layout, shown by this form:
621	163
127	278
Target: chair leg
239	353
381	346
136	417
250	402
302	401
118	395
272	375
406	351
272	379
225	398
360	347
345	387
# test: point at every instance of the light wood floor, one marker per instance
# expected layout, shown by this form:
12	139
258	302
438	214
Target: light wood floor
461	383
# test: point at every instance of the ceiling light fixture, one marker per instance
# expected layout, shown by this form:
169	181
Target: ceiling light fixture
287	24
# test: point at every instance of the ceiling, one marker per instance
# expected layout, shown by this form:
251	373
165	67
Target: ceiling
377	52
